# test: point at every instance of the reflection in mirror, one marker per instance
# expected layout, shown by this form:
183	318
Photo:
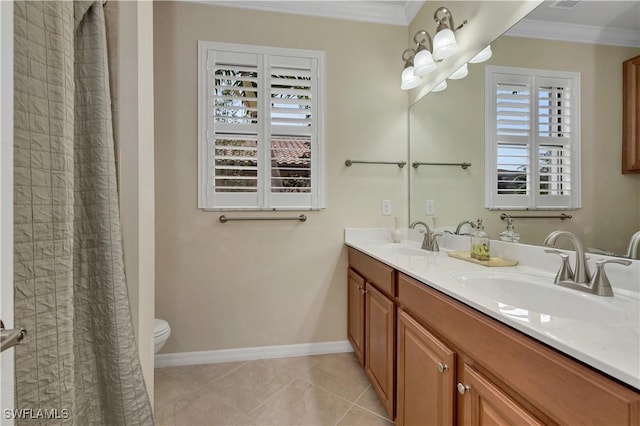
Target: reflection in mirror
449	127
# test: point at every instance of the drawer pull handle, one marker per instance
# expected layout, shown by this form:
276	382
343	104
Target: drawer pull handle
462	389
442	367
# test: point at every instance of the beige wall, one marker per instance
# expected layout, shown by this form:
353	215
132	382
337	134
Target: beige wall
130	41
486	21
247	284
449	126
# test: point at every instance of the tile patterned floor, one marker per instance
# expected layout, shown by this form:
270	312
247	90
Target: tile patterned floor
314	390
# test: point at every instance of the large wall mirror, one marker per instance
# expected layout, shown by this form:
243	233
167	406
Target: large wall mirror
448	127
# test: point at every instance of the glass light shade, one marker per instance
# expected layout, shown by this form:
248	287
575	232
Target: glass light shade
409	79
484	55
440	87
461	72
423	63
444	44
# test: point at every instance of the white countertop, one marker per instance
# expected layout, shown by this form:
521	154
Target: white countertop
611	345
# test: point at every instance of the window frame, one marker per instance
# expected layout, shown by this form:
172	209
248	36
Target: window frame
535	80
265	199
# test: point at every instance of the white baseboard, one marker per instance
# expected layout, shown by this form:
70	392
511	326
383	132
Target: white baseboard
249	354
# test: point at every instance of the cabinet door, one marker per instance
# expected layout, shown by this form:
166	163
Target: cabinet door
355	313
483	403
379	345
426	376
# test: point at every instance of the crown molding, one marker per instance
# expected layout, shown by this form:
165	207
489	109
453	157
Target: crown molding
576	33
411	8
399	13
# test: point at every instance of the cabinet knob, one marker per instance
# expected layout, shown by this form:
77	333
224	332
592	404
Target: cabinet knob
462	389
442	367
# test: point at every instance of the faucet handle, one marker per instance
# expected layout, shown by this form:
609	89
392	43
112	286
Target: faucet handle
600	284
564	273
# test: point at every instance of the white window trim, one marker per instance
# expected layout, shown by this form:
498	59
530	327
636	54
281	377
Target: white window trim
491	196
274	201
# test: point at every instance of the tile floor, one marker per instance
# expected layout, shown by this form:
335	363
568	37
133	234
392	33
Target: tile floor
314	390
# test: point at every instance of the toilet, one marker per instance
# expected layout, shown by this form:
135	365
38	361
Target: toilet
161	332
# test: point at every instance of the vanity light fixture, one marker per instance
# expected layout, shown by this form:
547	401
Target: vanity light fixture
440	87
484	55
423	60
409	79
461	72
444	42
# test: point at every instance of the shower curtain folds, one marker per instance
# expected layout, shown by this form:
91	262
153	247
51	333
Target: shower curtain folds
79	361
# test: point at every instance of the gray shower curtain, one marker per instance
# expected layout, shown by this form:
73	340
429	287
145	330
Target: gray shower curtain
79	364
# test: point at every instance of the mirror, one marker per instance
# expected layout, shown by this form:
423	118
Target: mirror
448	127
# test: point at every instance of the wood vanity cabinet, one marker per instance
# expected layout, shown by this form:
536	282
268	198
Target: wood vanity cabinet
427	385
372	322
631	115
436	361
503	376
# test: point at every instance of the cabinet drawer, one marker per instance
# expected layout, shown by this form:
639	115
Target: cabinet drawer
375	272
532	373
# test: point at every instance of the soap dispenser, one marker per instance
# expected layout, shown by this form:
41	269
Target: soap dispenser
510	235
396	234
480	243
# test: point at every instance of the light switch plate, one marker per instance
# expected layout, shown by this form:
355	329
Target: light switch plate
430	207
386	207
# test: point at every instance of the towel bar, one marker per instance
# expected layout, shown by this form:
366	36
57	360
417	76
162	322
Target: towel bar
225	219
416	164
561	216
400	164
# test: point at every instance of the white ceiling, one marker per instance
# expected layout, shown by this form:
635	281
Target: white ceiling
602	22
609	14
590	21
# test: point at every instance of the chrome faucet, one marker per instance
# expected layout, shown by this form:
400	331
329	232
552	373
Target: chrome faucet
463	223
580	278
633	252
429	242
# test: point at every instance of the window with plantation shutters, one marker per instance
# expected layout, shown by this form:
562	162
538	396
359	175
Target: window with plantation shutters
532	139
260	128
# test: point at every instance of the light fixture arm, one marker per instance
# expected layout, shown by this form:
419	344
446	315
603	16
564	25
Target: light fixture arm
419	41
407	57
446	16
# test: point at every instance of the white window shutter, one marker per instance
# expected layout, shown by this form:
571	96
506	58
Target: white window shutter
509	130
557	147
262	128
293	109
533	141
233	129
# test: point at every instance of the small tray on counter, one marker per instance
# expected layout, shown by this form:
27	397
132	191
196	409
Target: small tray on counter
493	261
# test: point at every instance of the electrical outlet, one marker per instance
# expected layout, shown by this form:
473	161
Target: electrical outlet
430	207
386	207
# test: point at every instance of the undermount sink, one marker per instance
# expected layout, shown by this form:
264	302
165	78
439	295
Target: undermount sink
529	297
